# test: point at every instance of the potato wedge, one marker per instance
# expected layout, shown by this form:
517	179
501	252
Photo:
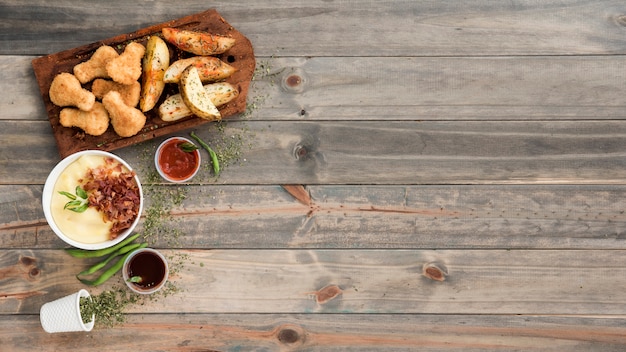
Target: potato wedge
174	108
199	43
155	62
210	69
195	97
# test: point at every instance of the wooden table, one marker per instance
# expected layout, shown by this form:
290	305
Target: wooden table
443	175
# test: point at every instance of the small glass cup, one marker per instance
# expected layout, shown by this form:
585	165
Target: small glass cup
145	271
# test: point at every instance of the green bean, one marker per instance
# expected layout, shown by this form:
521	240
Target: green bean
81	253
103	263
109	272
212	154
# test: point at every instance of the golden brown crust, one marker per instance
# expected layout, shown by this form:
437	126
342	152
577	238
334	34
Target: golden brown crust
94	122
66	90
130	92
126	120
126	68
95	67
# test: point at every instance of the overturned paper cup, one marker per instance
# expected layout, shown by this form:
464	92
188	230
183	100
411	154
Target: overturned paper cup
63	314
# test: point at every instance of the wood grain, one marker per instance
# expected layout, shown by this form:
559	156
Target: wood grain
409	88
405	28
454	172
533	282
329	332
378	152
353	217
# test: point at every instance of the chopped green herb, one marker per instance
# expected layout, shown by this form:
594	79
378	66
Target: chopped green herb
108	307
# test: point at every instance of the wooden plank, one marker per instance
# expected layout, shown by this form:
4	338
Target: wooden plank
450	88
535	282
327	332
401	88
353	217
406	28
391	152
17	77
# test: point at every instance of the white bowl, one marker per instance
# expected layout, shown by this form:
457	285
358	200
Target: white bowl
157	155
48	190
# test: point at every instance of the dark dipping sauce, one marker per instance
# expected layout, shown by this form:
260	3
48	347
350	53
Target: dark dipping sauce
149	266
175	163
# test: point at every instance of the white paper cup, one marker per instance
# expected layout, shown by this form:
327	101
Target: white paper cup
63	314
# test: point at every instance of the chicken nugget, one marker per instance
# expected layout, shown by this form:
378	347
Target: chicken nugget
96	66
66	90
94	122
126	68
126	120
130	92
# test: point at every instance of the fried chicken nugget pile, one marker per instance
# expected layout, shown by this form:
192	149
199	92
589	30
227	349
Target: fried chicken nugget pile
111	73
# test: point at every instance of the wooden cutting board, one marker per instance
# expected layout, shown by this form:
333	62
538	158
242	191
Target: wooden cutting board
72	140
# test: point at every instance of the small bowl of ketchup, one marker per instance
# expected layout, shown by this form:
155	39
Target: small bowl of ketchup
174	163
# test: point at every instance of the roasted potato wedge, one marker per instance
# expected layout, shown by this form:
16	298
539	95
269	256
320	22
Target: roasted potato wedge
174	108
210	69
199	43
195	97
155	63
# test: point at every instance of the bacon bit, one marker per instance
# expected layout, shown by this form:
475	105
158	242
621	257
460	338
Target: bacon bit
114	193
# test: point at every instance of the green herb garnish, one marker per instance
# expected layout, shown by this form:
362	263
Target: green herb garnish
135	279
78	202
187	147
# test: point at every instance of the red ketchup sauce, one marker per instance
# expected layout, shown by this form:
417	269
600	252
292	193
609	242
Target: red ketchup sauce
175	163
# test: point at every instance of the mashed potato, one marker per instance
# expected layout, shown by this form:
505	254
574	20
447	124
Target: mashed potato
88	226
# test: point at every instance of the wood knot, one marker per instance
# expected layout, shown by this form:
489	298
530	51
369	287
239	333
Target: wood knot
294	81
327	293
28	261
434	271
288	336
29	266
291	335
620	20
300	152
34	272
25	268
